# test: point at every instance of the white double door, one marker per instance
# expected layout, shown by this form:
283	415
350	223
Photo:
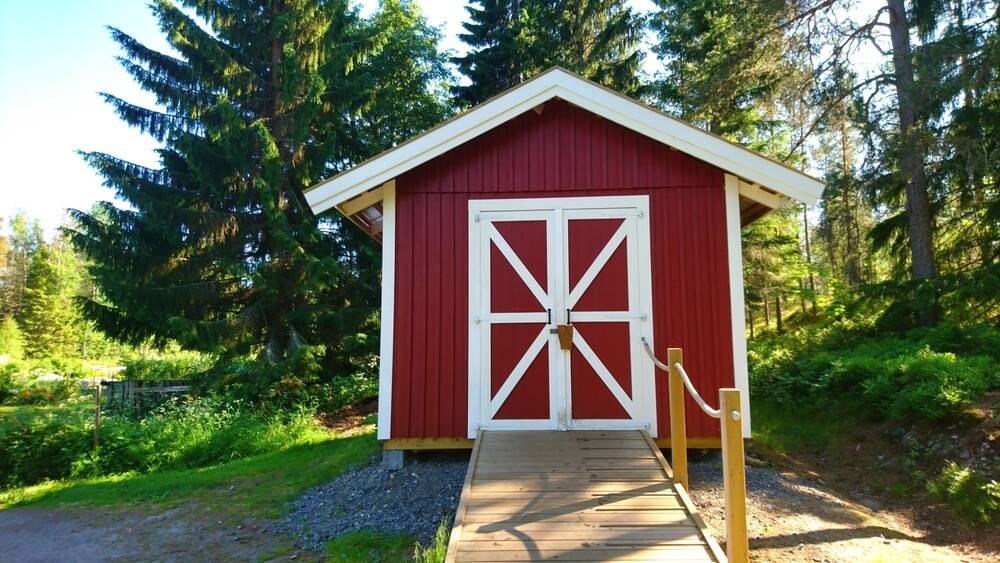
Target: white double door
536	265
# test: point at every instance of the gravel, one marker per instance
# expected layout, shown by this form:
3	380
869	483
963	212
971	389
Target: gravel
413	500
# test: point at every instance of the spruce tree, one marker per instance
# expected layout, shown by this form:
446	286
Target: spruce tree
495	61
726	64
597	39
50	318
218	249
512	40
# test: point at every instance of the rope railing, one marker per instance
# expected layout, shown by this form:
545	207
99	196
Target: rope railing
731	442
714	413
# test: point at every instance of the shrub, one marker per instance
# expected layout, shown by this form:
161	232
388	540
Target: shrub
178	435
929	385
11	341
972	495
929	374
22	382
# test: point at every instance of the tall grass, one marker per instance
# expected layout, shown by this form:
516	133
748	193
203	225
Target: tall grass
177	435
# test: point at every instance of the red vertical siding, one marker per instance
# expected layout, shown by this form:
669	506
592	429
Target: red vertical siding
564	151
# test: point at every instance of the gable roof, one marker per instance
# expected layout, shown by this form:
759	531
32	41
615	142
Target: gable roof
754	168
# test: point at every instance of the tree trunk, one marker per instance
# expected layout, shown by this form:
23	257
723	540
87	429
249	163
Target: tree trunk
750	319
809	258
802	296
912	156
767	314
777	313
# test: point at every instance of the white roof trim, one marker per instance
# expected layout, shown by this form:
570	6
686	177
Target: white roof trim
560	83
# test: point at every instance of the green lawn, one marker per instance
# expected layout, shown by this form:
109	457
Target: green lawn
257	486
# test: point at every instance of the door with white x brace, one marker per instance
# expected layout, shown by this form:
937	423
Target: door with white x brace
538	267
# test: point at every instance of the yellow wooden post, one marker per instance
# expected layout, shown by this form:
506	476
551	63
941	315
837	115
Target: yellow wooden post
734	476
678	428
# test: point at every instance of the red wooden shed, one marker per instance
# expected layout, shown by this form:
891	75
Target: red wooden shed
557	202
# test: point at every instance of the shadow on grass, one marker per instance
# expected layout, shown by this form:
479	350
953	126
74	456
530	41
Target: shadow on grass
257	486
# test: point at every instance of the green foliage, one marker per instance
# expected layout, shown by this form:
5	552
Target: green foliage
365	545
203	432
511	41
11	341
727	65
248	487
437	552
27	382
973	496
923	374
24	238
218	249
175	366
49	318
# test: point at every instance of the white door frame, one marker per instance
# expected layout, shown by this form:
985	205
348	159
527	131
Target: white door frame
635	211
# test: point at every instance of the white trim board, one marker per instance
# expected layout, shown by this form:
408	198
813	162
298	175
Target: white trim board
387	314
560	83
736	299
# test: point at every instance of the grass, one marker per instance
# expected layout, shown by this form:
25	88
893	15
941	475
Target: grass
253	486
376	547
787	430
24	412
367	546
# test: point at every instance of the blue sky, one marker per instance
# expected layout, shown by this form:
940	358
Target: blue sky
55	56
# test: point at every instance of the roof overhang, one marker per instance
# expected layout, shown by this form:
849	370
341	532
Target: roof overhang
766	183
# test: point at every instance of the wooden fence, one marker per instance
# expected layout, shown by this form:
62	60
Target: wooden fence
140	395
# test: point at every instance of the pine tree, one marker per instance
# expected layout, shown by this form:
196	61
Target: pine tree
512	40
495	61
727	64
597	39
218	249
50	318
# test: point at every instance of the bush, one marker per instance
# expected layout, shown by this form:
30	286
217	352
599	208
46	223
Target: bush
178	435
176	366
926	374
23	382
929	385
972	495
11	341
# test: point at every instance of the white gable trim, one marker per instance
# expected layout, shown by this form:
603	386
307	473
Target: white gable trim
559	83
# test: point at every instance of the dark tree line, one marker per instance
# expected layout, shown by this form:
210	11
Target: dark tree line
218	250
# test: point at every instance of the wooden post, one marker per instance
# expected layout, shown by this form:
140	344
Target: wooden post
97	418
678	427
734	476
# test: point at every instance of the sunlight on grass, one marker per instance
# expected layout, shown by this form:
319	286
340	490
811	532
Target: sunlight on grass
785	429
367	546
258	485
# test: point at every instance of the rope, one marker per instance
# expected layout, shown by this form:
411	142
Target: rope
714	413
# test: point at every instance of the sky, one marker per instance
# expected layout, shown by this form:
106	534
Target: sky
55	56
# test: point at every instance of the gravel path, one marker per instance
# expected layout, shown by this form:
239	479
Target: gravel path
413	500
793	518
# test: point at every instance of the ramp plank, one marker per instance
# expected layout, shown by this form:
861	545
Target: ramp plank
574	496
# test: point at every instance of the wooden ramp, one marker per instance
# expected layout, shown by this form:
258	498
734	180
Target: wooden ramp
575	496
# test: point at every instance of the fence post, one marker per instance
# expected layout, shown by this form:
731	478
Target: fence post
97	418
678	427
734	476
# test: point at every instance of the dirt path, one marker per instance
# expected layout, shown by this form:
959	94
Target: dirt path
794	518
185	533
